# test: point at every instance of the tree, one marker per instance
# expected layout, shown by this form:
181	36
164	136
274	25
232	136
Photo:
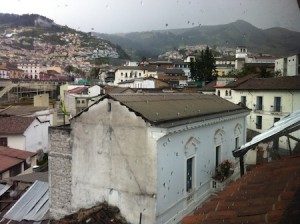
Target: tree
203	68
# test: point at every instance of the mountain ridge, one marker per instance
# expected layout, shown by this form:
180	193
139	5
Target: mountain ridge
276	41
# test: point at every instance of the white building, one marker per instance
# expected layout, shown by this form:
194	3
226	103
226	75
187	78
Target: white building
293	65
152	155
270	99
281	66
32	70
25	133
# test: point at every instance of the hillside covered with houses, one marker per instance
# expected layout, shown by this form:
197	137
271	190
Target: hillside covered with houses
89	136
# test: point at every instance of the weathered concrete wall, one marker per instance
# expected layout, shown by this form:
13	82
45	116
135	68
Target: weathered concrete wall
114	160
60	163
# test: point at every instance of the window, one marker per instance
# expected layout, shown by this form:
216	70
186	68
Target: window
277	104
237	143
3	141
189	174
259	103
15	170
258	122
244	100
226	93
218	92
109	107
276	119
218	155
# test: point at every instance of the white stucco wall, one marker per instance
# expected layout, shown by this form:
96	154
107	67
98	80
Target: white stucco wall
198	141
15	141
94	91
37	136
119	164
293	65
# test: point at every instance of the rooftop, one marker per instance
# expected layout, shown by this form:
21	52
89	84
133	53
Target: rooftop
280	83
21	110
14	125
171	108
269	193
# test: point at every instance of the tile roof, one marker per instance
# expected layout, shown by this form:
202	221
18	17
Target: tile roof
21	110
77	90
209	87
163	108
15	153
7	162
239	81
269	193
14	125
280	83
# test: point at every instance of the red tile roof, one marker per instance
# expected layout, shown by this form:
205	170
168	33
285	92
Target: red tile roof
15	153
77	90
280	83
269	193
7	162
14	125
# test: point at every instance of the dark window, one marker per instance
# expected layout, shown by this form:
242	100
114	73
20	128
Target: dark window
243	100
15	170
189	174
236	142
218	155
259	103
276	119
3	141
109	107
277	104
258	122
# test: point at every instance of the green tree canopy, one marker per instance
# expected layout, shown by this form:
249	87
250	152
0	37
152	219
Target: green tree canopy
203	68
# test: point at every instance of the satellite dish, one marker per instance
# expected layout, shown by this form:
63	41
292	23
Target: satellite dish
28	160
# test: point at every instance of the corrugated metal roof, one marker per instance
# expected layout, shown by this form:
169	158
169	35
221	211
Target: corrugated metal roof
33	205
3	188
283	126
166	107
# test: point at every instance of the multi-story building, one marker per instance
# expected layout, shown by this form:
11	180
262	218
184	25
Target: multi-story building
269	99
32	70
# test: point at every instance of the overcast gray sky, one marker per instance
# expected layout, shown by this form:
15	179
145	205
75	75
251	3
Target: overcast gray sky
117	16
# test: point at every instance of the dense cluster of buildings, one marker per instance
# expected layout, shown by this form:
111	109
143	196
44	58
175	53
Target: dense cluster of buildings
145	140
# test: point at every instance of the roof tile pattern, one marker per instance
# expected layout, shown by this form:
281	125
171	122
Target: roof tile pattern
14	125
280	83
269	193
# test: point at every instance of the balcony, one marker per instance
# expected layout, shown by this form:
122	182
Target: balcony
258	108
276	110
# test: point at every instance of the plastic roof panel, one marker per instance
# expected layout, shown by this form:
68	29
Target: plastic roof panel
33	205
283	126
3	188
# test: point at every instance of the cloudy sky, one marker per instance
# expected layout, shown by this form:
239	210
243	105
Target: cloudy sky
118	16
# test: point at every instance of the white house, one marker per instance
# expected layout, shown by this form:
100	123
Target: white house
270	99
152	155
293	65
25	133
32	70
